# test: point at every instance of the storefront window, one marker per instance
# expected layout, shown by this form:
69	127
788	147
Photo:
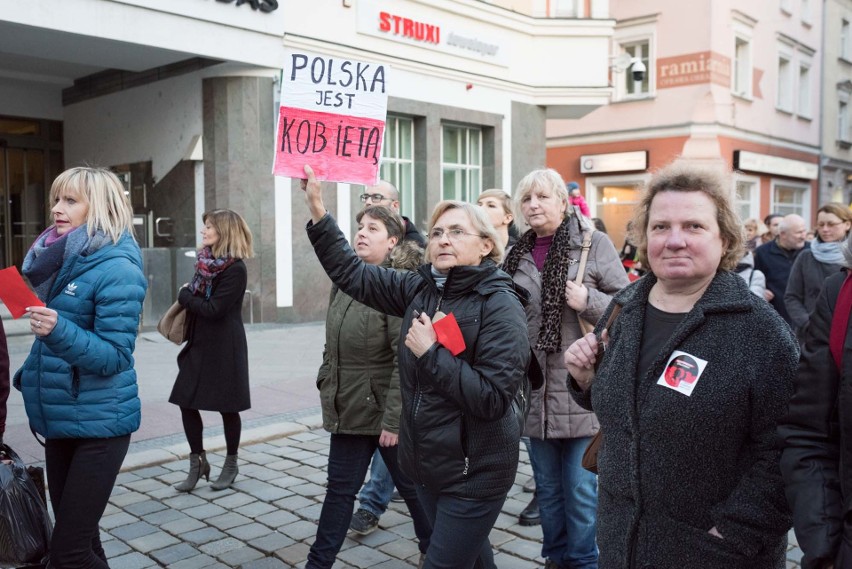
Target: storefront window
398	161
746	198
461	163
615	204
790	198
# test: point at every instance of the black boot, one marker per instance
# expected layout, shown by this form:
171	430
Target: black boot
530	516
198	467
228	474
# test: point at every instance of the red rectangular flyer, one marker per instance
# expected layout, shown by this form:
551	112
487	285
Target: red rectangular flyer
15	293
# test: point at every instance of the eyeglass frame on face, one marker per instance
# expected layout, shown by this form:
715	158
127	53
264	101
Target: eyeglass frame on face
373	198
453	234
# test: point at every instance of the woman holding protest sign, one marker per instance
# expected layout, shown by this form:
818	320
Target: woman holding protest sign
462	360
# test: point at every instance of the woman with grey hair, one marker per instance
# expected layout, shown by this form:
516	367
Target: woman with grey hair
817	430
695	374
546	261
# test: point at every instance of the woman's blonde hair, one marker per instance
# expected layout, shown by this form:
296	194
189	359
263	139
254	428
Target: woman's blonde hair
103	193
235	238
686	177
480	224
504	199
543	178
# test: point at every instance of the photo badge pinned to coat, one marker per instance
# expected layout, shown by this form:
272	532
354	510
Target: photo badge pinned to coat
682	372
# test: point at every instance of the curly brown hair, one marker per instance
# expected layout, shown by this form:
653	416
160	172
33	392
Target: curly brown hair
683	176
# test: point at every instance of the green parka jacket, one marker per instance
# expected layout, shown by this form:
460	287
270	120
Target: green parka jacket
359	379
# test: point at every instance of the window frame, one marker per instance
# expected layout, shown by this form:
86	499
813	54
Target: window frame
466	169
785	86
783	209
843	133
397	163
845	40
804	103
753	202
740	73
631	36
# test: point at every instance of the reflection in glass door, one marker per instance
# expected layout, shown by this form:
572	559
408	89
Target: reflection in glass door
23	203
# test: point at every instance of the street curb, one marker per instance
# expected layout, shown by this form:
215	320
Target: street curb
180	451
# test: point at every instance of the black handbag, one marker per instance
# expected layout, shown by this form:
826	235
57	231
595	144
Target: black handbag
25	526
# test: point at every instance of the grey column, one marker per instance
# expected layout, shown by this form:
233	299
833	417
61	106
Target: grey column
528	140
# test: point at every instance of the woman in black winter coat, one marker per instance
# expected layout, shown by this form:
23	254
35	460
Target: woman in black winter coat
459	428
817	430
213	366
697	370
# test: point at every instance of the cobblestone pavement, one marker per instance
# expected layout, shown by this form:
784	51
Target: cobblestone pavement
268	518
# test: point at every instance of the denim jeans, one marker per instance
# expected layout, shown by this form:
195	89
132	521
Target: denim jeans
460	530
80	477
567	500
377	492
348	460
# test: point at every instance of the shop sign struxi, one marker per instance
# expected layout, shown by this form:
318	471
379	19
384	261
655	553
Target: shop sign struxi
262	5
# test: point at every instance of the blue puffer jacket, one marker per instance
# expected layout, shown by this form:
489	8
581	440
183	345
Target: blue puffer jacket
79	381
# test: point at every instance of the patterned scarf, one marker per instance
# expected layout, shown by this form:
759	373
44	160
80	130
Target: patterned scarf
50	250
553	278
207	268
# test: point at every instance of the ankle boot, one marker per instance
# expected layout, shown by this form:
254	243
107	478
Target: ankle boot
198	467
530	516
229	472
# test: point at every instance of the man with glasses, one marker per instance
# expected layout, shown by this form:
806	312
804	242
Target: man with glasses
384	193
379	489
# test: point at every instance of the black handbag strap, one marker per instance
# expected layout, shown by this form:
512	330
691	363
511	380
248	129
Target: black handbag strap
35	434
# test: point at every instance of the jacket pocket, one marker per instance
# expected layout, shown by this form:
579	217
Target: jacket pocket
75	382
666	543
441	453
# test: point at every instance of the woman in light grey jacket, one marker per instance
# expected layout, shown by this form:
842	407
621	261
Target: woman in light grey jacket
545	261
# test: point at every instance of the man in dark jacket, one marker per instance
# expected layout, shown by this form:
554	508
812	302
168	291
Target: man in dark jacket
384	193
775	259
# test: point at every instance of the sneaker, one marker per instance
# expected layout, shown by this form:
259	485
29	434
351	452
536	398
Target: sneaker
395	497
363	522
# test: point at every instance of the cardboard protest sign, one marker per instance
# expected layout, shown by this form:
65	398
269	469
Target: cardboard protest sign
332	117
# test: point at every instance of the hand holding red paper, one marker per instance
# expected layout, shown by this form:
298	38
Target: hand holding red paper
421	335
15	293
42	320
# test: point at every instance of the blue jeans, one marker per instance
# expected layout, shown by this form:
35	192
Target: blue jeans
377	492
348	460
567	500
460	530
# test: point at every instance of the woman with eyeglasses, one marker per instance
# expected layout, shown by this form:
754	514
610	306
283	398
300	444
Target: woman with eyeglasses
812	266
545	261
463	354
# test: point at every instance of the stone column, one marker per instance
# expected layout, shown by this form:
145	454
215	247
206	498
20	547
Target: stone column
239	127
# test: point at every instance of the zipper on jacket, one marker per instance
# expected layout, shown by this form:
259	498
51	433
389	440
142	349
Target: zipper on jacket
463	442
75	382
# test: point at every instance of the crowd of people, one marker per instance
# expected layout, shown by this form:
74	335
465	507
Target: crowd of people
445	351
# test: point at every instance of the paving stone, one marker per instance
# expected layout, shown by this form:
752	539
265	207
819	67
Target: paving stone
133	561
795	555
271	542
294	503
277	518
152	542
236	500
115	548
205	511
204	535
522	548
117	520
220	546
255	509
151	472
124	499
241	555
400	548
123	478
172	554
362	556
228	520
505	561
299	530
258	457
264	491
308	489
165	516
134	530
144	485
143	508
183	500
264	563
197	562
294	555
249	531
182	525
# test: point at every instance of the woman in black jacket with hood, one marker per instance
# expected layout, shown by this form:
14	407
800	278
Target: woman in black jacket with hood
459	428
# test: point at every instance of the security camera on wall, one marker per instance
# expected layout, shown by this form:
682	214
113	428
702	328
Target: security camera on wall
638	70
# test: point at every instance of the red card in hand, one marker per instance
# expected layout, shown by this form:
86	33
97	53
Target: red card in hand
15	293
449	334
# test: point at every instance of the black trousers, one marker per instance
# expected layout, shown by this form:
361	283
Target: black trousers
80	477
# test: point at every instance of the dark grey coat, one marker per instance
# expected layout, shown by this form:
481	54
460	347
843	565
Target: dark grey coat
803	287
213	366
673	466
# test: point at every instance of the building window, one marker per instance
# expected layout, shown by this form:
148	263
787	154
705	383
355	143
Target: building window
638	50
807	17
787	6
742	67
461	163
785	84
564	9
790	198
747	197
398	161
844	39
843	122
804	98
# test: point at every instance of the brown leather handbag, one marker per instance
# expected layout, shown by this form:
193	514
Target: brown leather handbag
590	457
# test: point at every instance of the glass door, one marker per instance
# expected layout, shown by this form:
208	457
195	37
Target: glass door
23	202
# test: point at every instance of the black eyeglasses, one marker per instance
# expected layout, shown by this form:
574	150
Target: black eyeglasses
373	197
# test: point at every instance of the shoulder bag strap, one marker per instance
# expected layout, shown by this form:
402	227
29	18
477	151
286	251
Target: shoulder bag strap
585	327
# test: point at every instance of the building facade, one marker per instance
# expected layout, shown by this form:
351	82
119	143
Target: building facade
836	164
180	99
727	83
